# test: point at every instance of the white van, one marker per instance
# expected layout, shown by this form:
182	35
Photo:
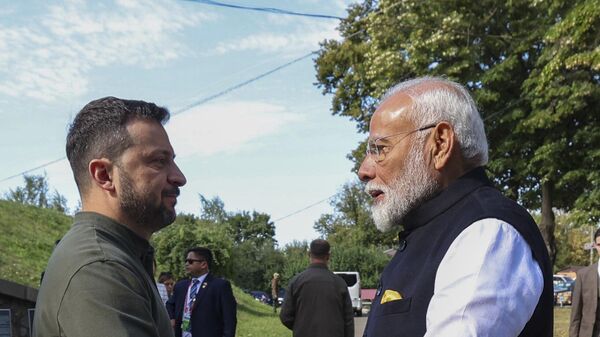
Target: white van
352	279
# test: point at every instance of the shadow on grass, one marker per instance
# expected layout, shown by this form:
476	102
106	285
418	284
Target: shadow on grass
247	309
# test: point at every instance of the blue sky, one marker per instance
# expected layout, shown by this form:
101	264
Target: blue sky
271	146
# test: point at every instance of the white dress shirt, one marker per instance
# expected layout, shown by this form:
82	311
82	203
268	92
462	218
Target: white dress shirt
186	309
162	291
200	280
487	284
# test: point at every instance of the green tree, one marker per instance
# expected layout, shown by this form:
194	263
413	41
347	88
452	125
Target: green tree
212	210
35	193
188	231
254	265
356	243
564	94
254	257
58	202
369	261
351	220
572	238
295	255
500	51
255	227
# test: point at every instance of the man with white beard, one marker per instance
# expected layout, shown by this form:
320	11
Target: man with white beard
470	262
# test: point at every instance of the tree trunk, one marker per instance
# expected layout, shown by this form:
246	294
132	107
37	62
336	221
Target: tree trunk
548	224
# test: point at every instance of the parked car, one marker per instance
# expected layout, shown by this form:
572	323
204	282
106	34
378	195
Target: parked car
562	279
563	289
261	296
280	296
352	279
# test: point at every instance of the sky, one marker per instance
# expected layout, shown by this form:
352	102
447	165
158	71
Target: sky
271	145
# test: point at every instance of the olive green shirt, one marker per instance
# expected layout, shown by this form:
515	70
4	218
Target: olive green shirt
99	282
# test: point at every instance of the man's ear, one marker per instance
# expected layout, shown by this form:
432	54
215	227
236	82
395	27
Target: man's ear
443	143
101	171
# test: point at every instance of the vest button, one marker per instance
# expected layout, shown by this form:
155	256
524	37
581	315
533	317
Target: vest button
402	245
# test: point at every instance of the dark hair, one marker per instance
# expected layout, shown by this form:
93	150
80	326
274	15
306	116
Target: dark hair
100	130
203	252
319	248
597	234
165	275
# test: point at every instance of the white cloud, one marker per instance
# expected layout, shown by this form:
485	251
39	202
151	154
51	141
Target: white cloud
303	39
226	127
50	56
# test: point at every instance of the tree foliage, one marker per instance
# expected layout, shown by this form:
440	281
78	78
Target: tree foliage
252	227
255	257
564	124
188	231
368	260
295	255
35	192
212	210
573	239
243	244
532	66
351	220
356	243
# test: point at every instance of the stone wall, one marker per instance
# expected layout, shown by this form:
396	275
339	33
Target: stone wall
19	299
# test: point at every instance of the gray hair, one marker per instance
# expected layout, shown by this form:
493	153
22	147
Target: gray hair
436	99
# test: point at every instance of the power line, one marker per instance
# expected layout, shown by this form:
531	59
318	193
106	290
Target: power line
266	9
33	169
304	209
221	93
188	107
237	86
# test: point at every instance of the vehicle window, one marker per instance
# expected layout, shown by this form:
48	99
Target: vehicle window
349	278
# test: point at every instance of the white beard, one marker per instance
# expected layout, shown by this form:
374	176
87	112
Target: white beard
414	184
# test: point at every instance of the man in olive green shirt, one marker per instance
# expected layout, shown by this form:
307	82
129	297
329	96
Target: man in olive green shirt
317	303
99	281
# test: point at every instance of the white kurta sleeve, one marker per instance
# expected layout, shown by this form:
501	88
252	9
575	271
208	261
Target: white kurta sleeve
487	284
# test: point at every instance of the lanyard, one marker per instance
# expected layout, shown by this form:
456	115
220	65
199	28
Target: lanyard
186	307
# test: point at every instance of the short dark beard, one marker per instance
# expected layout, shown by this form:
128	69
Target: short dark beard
138	206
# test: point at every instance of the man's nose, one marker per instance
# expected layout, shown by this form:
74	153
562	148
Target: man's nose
176	177
366	172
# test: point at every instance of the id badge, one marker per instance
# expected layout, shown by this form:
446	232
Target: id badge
185	323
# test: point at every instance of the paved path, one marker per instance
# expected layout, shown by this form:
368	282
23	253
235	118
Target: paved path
359	325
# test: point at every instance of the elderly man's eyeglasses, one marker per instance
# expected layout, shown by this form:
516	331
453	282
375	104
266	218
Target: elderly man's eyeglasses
379	151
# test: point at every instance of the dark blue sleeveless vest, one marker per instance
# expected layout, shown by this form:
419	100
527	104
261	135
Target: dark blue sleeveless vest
429	230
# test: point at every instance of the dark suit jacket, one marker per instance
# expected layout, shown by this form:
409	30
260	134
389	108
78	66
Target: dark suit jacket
585	302
214	314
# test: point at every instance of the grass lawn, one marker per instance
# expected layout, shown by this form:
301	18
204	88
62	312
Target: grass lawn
561	321
256	319
27	236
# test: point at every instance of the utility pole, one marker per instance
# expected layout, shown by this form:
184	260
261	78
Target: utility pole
593	241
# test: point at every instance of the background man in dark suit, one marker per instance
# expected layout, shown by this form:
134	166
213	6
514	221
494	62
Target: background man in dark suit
585	316
203	305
